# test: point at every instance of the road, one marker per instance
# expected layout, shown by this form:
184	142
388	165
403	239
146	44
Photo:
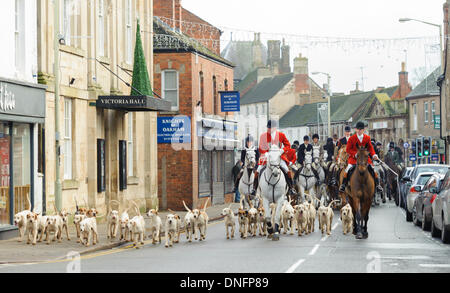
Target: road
393	246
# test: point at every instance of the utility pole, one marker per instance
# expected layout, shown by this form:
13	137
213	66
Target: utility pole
56	4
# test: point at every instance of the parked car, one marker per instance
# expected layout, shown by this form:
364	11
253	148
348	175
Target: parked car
440	206
421	212
442	169
414	191
403	189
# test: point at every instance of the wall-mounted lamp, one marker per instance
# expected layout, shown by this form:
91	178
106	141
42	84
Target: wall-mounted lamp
72	81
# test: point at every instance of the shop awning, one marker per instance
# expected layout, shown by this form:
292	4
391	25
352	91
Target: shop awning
133	103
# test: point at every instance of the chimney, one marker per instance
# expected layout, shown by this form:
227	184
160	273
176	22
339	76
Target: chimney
257	51
356	88
285	58
273	47
178	13
301	75
403	86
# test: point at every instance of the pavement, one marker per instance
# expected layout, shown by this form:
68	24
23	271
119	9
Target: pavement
14	252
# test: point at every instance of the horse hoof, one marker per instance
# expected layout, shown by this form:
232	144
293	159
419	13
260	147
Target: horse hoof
270	236
276	237
365	235
359	235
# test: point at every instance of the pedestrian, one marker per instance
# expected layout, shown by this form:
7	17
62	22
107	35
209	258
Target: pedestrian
235	171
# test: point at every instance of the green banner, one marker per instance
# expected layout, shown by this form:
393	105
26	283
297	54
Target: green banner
437	121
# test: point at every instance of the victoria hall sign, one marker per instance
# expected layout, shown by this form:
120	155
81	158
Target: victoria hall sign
133	103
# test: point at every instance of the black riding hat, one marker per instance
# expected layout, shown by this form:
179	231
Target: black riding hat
315	136
306	138
249	138
360	125
297	142
391	145
348	128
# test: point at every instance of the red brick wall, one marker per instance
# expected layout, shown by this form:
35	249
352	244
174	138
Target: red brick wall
182	166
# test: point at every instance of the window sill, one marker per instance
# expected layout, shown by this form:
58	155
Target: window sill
70	184
133	180
72	50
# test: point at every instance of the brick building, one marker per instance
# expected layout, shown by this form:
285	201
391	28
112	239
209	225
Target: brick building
191	75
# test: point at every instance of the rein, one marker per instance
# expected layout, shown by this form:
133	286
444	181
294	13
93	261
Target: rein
268	181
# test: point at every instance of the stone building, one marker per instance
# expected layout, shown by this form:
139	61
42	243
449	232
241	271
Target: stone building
191	75
105	154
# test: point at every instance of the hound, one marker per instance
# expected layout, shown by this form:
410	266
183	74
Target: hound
137	227
326	217
347	219
20	220
243	220
155	225
112	220
32	227
230	220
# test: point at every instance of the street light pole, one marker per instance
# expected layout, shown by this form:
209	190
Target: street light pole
328	93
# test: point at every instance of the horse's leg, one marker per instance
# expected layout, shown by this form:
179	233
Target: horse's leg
268	218
358	218
277	217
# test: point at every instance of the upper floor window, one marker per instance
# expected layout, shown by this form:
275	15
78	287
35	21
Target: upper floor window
202	90
433	111
214	95
425	107
128	32
169	82
414	106
17	34
101	28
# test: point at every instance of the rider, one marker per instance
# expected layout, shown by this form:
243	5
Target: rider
359	139
271	137
304	147
341	143
393	154
379	150
249	142
317	144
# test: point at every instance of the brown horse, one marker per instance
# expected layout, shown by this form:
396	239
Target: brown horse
362	190
342	165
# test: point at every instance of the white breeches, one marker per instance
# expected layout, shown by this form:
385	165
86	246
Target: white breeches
348	168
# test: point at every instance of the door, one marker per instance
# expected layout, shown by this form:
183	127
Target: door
5	196
218	178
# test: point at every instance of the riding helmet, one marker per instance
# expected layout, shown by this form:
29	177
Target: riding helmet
391	145
348	128
306	138
360	125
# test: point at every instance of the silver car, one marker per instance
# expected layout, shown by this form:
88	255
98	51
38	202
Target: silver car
440	206
414	191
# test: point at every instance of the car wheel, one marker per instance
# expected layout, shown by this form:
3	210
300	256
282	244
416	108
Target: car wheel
445	234
434	230
425	224
414	216
408	216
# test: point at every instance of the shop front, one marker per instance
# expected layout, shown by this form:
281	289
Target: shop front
22	114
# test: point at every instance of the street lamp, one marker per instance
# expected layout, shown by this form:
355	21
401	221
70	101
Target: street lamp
442	70
329	98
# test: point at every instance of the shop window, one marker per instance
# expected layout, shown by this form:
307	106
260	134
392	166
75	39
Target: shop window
21	165
5	151
67	138
204	173
170	88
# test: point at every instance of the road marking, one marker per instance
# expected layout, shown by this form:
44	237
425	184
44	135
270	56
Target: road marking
424	246
313	251
294	266
431	265
407	257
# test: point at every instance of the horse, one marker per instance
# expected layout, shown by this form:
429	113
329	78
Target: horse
248	177
317	165
362	190
273	188
305	178
391	181
378	167
341	165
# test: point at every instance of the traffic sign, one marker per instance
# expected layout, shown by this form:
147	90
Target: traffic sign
435	158
412	157
437	121
406	145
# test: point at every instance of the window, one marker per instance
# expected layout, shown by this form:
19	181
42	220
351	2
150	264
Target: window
425	107
170	87
17	34
101	28
202	91
226	85
65	22
130	147
263	109
256	110
414	106
433	111
67	138
214	95
129	32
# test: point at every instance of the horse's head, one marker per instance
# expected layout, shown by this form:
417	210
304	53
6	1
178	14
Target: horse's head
362	159
308	160
274	160
250	158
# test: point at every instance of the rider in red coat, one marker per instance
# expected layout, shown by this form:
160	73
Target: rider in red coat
272	136
362	140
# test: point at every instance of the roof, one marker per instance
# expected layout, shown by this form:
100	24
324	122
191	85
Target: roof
428	86
390	90
249	79
266	89
166	38
241	54
342	108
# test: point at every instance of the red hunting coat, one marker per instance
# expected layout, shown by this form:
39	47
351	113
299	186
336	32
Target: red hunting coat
265	141
352	144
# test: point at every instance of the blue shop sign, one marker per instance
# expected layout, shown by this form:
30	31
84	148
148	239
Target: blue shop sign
230	101
174	129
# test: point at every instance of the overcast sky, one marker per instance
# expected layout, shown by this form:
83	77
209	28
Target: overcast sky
381	61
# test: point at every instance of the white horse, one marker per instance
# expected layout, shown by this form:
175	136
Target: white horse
306	179
318	165
247	179
273	189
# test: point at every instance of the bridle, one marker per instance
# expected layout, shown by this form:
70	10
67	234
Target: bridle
272	167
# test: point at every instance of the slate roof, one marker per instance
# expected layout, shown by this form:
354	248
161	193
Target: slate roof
250	78
266	89
342	109
389	91
428	87
174	40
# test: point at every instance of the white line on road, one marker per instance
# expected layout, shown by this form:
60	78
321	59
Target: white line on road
313	251
431	265
294	266
407	257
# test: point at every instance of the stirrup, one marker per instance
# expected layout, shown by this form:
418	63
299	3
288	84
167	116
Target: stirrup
342	187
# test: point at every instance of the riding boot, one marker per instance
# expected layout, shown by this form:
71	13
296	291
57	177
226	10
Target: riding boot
238	178
290	183
255	183
378	187
344	182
